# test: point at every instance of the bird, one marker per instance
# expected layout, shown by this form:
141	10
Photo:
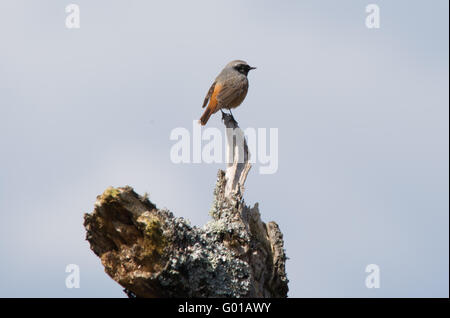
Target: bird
228	89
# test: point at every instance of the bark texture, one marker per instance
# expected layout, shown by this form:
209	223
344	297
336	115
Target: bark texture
152	253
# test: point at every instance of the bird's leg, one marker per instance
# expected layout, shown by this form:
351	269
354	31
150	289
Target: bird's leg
232	117
227	115
223	114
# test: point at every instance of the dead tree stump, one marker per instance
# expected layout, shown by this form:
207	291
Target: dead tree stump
152	253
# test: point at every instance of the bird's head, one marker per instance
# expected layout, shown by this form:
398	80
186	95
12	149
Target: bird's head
240	66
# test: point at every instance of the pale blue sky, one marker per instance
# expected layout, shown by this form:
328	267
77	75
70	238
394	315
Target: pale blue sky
362	118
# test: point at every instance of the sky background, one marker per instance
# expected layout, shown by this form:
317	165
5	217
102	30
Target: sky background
362	117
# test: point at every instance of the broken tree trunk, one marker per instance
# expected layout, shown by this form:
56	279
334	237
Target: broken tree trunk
151	253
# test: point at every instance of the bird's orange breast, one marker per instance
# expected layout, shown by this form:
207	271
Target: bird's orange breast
213	101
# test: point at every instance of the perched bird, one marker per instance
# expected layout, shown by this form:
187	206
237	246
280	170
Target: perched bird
228	90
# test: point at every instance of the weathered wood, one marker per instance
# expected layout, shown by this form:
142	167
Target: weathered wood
238	163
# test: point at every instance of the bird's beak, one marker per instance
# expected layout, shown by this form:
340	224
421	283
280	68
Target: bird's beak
252	68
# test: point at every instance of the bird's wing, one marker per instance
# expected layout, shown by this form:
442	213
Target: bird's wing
209	94
231	91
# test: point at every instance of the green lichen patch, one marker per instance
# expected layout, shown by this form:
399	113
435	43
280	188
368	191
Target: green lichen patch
154	241
109	195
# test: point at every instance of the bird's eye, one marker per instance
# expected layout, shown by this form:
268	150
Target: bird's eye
241	68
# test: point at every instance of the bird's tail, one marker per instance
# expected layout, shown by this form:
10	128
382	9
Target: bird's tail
204	119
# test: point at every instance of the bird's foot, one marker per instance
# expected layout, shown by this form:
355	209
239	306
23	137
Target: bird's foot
232	117
234	120
229	118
